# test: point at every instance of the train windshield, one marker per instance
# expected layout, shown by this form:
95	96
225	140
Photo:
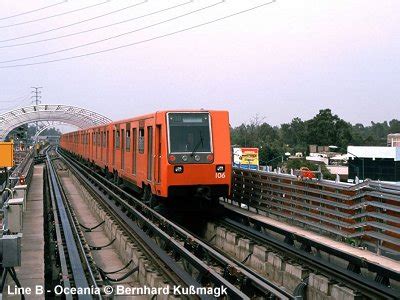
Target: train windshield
189	132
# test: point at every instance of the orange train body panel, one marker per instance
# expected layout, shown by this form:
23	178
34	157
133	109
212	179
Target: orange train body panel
150	149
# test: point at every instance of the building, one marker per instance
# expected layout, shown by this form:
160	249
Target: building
318	158
375	163
318	149
393	140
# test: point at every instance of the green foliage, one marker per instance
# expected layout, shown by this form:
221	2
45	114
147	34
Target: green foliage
324	129
296	164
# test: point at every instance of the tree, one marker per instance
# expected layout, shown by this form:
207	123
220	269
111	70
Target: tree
328	129
394	126
324	129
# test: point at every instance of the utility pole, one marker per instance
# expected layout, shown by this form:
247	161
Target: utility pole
36	96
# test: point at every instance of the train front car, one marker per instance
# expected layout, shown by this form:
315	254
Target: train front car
198	155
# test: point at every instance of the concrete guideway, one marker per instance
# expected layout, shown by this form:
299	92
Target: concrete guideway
383	261
336	268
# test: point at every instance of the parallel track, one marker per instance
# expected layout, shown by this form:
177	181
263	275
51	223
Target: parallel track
366	286
75	261
177	241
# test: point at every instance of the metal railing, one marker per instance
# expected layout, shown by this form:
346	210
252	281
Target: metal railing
362	214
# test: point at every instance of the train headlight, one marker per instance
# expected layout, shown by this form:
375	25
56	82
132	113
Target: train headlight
197	157
171	157
220	169
184	157
178	169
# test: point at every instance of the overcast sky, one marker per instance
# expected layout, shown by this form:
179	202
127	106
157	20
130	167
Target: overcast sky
283	60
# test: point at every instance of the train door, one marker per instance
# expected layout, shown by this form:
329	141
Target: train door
157	158
134	147
97	143
94	145
91	146
107	145
122	149
84	136
113	147
128	143
149	152
101	146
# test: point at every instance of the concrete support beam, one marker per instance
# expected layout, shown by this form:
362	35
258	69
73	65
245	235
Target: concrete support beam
243	249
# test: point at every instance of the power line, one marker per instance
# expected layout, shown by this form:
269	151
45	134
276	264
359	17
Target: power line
142	41
57	15
114	36
26	98
34	10
14	99
100	27
72	24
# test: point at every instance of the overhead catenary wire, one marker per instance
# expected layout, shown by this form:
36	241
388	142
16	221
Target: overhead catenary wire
75	23
32	11
56	15
14	99
143	41
100	27
115	36
17	104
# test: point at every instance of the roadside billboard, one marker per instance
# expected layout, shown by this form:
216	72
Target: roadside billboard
246	158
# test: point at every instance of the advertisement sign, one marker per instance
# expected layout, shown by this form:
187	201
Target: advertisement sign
246	158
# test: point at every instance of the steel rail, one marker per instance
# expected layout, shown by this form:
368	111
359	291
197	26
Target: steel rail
369	287
91	276
74	247
256	281
359	261
117	210
61	253
150	248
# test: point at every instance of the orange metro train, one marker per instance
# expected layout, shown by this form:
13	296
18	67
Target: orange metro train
166	154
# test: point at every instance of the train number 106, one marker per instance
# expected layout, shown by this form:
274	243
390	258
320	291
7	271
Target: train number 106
220	175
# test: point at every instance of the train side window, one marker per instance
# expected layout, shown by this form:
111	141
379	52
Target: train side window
128	140
117	139
141	140
113	139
